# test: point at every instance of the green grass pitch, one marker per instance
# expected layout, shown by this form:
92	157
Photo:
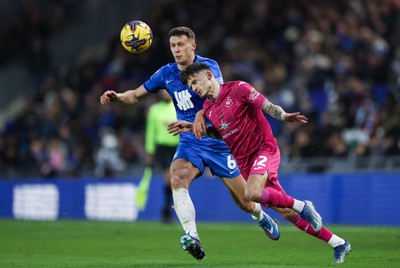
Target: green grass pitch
151	244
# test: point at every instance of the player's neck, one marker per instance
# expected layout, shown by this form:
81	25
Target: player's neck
186	64
182	67
215	90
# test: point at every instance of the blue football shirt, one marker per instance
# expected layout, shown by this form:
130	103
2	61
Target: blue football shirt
187	102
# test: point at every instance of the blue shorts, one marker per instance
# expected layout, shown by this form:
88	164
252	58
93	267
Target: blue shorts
217	157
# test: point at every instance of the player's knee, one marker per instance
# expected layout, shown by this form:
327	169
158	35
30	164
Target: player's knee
252	194
180	178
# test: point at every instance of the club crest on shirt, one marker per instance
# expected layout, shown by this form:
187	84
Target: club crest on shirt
253	94
228	102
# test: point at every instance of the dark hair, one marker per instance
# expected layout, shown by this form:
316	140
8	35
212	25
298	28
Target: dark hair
182	30
192	69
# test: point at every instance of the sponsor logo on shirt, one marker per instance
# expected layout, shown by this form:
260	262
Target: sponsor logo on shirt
183	100
230	133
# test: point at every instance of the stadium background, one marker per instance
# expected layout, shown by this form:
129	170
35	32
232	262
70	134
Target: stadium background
338	62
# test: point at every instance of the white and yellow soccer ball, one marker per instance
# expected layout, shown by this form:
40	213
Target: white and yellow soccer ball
136	36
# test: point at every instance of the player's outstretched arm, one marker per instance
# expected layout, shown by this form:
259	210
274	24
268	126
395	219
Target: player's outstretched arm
127	97
277	112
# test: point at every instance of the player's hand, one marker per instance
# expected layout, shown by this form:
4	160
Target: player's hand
108	96
295	117
177	127
199	124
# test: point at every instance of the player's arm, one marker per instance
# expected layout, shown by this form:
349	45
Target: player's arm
180	126
128	97
277	112
199	124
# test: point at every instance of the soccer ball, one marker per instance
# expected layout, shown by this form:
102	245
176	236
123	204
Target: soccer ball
136	36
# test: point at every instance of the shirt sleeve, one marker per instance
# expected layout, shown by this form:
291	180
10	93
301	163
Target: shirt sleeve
214	68
217	72
250	95
155	82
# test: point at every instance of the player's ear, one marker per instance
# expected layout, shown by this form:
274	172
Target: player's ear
194	45
209	74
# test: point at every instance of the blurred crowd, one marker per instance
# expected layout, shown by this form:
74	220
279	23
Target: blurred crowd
27	25
338	62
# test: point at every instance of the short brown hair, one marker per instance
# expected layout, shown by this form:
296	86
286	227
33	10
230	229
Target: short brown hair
193	69
182	30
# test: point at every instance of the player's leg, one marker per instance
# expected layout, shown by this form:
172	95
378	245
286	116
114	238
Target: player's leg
341	247
259	188
293	217
222	164
271	197
183	173
236	187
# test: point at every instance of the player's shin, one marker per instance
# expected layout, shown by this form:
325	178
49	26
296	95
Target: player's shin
324	234
276	198
185	211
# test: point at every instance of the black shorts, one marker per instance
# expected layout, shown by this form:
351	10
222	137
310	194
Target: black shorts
164	155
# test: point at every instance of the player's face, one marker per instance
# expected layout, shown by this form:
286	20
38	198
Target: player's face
182	49
200	84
